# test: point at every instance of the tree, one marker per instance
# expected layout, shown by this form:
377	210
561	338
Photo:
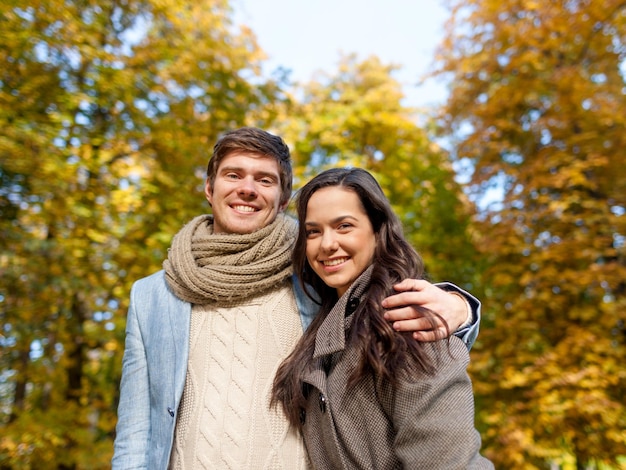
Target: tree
355	117
537	99
107	110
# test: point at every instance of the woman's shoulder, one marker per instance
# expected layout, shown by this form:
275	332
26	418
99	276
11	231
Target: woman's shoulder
446	356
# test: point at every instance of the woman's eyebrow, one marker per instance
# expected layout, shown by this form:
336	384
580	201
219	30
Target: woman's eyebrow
333	221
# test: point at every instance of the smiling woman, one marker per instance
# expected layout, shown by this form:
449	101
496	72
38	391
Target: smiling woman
352	383
340	240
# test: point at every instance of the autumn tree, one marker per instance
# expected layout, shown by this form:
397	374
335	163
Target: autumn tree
537	100
108	111
355	117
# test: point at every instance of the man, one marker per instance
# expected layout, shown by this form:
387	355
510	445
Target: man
205	336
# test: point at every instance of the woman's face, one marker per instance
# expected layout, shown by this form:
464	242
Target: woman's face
340	240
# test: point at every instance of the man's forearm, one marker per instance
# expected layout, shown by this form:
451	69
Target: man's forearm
467	332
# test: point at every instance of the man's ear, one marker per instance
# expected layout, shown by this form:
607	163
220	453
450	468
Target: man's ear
208	192
283	206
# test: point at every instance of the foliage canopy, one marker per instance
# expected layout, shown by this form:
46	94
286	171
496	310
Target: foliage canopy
537	107
108	113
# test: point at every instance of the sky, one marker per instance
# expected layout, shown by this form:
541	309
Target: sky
306	36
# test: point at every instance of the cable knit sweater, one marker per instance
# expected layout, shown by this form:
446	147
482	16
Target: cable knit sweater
234	353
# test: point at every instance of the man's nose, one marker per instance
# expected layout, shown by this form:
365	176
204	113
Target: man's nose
247	187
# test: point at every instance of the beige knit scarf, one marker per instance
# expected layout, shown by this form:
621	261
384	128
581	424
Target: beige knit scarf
205	267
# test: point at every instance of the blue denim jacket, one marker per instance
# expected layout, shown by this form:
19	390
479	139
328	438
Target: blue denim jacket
155	365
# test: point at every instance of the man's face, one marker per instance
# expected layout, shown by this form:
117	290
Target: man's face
246	193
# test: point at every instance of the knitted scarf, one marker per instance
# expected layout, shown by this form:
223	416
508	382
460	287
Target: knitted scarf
205	267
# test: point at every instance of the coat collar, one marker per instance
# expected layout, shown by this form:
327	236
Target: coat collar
331	337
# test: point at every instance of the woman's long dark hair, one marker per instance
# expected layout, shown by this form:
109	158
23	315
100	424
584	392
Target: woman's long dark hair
383	351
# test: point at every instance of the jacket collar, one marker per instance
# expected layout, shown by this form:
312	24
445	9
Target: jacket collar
331	336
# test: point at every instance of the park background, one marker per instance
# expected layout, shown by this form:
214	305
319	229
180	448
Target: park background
514	187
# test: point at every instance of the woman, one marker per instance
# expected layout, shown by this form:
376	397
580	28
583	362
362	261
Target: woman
362	395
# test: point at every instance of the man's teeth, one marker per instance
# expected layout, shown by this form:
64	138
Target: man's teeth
244	208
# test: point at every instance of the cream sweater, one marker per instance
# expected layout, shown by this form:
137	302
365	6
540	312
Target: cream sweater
224	420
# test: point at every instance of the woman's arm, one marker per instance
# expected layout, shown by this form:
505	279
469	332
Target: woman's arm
434	414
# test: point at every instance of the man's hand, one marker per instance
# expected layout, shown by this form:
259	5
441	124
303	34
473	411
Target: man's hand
400	309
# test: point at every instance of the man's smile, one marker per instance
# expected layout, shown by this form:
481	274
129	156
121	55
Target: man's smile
241	208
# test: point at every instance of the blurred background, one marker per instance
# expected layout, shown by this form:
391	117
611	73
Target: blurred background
498	136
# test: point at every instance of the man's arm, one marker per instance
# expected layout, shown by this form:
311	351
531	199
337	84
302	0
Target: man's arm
133	425
459	309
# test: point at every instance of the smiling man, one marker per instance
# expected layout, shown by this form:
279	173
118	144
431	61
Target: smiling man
205	335
245	193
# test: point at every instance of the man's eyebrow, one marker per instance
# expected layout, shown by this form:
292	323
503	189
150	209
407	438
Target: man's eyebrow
268	173
231	168
258	173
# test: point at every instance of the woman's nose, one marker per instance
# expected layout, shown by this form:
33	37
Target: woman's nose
329	242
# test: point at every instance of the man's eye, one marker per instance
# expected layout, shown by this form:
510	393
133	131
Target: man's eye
232	176
267	181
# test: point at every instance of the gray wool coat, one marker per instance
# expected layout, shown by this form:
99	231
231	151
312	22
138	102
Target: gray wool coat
426	422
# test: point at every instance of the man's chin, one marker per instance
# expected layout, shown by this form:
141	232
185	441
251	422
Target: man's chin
247	227
242	224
